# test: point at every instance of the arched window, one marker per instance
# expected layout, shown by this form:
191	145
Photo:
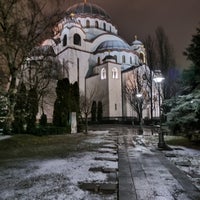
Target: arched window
131	60
64	40
114	73
123	59
87	23
77	39
103	73
142	57
98	61
104	26
96	24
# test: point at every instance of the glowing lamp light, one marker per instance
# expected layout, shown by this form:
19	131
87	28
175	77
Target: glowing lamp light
159	79
138	95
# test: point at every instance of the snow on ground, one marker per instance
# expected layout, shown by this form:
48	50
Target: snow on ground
99	137
75	168
187	160
58	178
4	137
55	178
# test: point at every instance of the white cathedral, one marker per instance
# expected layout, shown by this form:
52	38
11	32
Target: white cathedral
87	42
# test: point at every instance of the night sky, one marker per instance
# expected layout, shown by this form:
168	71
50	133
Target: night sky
179	18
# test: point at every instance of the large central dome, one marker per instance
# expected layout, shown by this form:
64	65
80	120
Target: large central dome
88	9
116	45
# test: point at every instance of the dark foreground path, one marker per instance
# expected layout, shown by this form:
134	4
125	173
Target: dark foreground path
146	174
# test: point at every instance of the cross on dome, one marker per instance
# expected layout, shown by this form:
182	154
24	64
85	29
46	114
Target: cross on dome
72	15
135	37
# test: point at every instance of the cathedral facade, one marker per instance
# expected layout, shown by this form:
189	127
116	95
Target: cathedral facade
87	44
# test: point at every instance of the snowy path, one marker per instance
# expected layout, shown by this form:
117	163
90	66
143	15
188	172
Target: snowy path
145	173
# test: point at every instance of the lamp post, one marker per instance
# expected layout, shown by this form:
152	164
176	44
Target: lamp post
139	97
161	143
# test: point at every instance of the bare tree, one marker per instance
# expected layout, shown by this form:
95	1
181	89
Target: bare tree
165	51
137	93
166	61
150	47
160	56
85	107
4	78
40	74
23	25
152	62
86	101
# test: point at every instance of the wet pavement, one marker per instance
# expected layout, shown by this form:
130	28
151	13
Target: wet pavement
146	174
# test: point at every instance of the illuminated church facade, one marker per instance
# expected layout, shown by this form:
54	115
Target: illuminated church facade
87	42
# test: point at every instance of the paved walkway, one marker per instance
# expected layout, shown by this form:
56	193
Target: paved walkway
148	175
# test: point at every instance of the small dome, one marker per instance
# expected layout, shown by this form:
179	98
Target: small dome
87	9
137	42
117	45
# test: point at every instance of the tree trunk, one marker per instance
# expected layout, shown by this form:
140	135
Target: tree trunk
86	123
11	103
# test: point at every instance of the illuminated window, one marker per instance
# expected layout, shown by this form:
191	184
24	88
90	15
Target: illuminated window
77	39
114	73
141	57
96	24
103	73
87	23
64	40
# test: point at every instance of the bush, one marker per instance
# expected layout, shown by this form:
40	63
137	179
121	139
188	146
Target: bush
80	128
43	120
50	130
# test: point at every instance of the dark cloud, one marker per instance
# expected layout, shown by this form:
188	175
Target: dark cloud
179	18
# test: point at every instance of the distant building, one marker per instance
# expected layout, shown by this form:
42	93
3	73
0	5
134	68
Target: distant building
91	52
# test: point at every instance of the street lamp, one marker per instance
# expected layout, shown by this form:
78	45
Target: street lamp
159	79
139	97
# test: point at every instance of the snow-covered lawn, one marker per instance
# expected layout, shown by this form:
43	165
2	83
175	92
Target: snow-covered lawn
55	178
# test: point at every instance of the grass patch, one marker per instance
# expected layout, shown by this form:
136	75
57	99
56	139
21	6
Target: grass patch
181	141
30	146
